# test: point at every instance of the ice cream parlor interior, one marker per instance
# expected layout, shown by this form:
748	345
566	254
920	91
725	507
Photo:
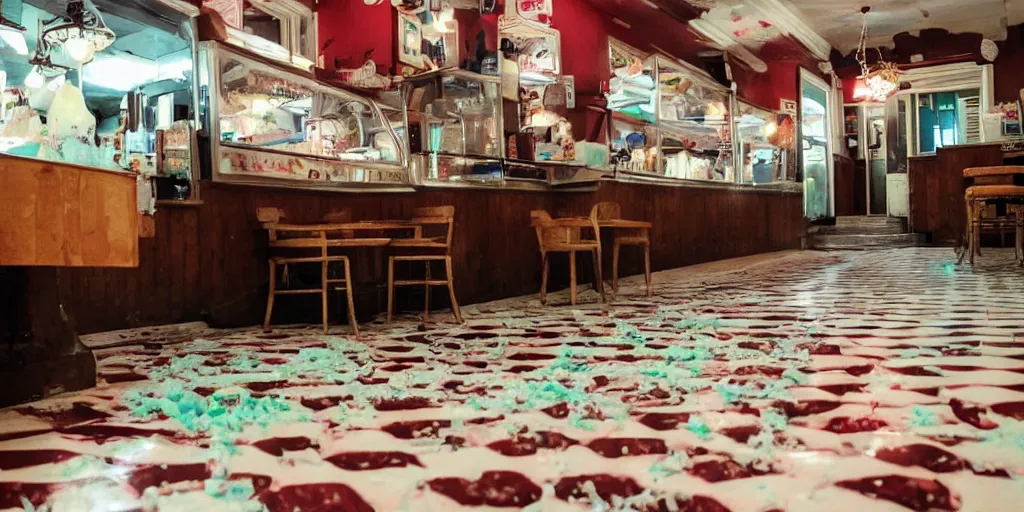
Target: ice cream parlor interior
102	84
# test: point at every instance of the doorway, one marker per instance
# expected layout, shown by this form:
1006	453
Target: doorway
875	155
815	145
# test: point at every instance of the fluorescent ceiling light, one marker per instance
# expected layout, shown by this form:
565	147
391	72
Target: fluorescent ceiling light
14	39
121	72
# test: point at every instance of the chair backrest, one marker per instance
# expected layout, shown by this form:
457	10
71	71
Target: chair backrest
549	231
434	219
269	214
995	170
606	211
338	216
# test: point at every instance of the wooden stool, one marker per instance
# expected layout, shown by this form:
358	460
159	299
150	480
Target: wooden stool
314	239
565	235
1000	184
603	213
428	249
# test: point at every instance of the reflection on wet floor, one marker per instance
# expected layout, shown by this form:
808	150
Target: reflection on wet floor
887	380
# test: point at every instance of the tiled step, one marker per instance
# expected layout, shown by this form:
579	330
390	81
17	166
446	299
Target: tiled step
862	241
865	226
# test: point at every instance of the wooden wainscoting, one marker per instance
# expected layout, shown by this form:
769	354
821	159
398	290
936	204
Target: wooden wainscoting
209	262
937	190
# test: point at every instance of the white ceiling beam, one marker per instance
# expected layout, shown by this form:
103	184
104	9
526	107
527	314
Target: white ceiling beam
788	18
711	31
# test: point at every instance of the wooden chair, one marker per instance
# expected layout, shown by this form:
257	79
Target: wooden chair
432	242
638	237
997	184
566	235
314	241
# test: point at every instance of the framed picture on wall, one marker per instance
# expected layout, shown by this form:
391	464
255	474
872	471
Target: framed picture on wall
410	40
787	107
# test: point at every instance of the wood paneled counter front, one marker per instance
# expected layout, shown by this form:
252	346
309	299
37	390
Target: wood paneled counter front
51	216
937	189
209	262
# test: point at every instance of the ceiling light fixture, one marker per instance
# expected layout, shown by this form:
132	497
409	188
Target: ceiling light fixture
80	32
882	79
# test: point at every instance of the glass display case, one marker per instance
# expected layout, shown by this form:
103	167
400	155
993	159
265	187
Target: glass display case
763	161
119	96
273	125
453	131
669	119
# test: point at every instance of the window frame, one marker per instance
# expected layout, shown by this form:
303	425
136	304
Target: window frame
291	13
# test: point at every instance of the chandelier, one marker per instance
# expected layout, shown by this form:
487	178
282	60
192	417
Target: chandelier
882	79
81	31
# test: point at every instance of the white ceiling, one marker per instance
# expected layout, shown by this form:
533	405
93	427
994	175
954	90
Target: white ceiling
839	21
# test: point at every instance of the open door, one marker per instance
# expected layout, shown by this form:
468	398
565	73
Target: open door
815	145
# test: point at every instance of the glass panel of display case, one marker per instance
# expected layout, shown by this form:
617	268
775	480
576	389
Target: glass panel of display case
761	158
124	103
632	88
691	150
264	108
685	98
634	145
454	112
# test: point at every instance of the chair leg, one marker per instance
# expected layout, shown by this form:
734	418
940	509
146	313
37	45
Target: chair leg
391	287
323	294
966	239
451	289
647	267
544	279
426	294
598	279
572	277
979	210
270	296
351	301
1019	241
615	266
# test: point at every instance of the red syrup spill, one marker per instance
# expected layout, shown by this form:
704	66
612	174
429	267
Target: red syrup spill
664	420
408	360
741	434
403	404
844	425
278	445
155	475
259	482
806	407
100	433
324	497
842	389
396	348
365	461
521	368
115	378
493	489
722	470
971	415
324	402
16	459
606	486
394	368
693	504
529	444
859	370
622	447
530	356
1014	410
483	335
23	434
36	493
275	360
923	455
770	371
557	411
913	493
416	429
266	385
80	412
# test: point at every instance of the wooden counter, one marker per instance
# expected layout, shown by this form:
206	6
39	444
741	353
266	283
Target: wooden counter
52	216
937	191
209	262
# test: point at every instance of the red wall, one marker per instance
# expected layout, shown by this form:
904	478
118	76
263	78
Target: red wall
1008	67
357	28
